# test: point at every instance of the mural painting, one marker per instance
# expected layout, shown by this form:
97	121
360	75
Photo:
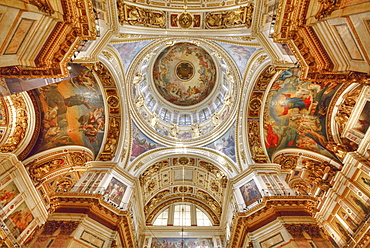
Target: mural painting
115	191
72	113
295	116
184	74
19	219
141	143
226	144
8	193
363	121
177	243
128	51
250	192
240	54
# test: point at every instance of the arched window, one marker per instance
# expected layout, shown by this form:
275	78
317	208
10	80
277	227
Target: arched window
204	115
185	120
161	219
202	218
150	102
165	115
182	214
218	102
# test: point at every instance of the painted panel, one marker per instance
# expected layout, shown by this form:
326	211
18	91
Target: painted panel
72	113
115	191
8	193
92	239
295	114
128	51
250	192
348	41
364	181
360	205
19	219
240	54
19	36
338	227
177	242
363	121
226	144
347	219
272	241
141	143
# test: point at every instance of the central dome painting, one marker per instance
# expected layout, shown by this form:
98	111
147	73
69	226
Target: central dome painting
184	74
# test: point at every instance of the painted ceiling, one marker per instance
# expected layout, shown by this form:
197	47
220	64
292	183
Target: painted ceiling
184	74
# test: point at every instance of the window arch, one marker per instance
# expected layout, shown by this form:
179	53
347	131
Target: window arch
218	102
182	214
150	102
165	115
185	120
204	115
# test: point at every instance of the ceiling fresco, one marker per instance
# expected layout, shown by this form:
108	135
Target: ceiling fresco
184	74
225	144
141	143
295	116
240	54
128	51
72	113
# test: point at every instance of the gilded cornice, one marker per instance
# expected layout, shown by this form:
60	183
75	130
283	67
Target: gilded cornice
20	117
94	205
78	24
292	28
270	207
40	169
160	18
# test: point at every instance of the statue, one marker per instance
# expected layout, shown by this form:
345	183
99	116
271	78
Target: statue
140	101
154	120
227	99
137	78
174	132
195	130
215	120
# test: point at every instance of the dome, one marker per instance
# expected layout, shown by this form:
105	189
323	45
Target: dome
184	74
183	91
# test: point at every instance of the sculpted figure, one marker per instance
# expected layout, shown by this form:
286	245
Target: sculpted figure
140	101
174	132
195	130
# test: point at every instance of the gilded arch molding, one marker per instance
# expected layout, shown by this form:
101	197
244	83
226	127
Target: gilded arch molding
141	163
214	214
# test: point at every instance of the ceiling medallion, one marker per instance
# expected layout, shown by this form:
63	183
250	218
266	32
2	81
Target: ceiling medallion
185	20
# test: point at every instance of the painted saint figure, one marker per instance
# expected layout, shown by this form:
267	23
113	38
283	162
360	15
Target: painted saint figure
295	102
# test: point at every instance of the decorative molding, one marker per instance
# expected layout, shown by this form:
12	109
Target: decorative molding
114	120
296	230
254	113
51	61
270	207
